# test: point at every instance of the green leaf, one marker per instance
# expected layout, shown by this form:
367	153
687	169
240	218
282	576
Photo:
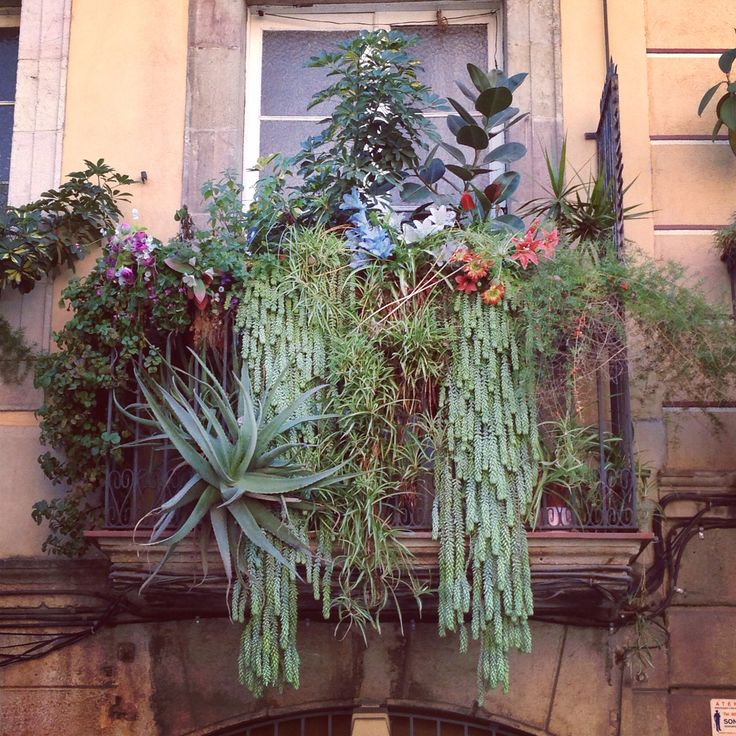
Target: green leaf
727	111
157	569
473	136
506	153
177	265
265	483
732	140
276	426
253	531
493	101
716	128
461	172
515	80
510	221
467	92
203	505
509	182
274	525
725	62
462	112
707	97
433	172
186	494
413	192
478	77
454	123
188	453
218	518
454	152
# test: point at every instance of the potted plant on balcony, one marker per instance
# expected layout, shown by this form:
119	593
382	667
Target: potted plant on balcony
568	489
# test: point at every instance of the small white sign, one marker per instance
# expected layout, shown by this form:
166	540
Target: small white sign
722	716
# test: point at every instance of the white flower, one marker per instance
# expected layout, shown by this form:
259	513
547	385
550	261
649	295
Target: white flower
209	272
192	261
134	213
188	279
420	230
441	216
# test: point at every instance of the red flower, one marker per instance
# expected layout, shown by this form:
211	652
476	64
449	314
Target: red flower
493	294
467	202
465	284
623	286
525	256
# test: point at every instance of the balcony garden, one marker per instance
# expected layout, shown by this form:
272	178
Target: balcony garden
373	381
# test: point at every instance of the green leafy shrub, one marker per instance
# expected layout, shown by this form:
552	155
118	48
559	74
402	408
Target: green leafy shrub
56	230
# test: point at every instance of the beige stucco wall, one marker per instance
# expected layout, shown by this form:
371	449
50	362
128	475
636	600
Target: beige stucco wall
126	99
125	102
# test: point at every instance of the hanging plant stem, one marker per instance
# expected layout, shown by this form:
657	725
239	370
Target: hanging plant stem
484	473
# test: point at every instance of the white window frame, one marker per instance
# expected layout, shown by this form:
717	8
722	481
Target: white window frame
344	17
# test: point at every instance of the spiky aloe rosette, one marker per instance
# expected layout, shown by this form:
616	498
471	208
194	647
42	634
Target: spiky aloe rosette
246	488
484	473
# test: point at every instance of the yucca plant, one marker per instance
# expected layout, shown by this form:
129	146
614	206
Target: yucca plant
242	478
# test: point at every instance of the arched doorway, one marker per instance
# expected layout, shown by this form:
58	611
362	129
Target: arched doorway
338	722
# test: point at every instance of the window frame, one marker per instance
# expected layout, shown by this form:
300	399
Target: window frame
344	17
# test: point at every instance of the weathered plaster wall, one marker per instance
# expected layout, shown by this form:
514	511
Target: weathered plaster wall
171	679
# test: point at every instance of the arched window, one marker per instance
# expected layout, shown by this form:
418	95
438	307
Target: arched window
338	723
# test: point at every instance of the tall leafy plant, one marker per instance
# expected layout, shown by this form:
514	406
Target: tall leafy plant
371	138
56	230
243	487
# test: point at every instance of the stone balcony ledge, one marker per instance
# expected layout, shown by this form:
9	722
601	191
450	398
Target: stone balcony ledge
571	570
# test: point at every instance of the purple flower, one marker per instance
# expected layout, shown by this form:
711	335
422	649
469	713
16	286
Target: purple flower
126	277
110	273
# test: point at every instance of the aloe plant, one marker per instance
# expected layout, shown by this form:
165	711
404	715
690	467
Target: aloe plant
242	477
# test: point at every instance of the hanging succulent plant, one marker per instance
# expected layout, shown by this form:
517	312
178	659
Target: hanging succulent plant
484	473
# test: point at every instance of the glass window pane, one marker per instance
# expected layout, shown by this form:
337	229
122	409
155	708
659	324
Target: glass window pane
6	138
285	136
8	62
341	725
287	87
399	726
445	53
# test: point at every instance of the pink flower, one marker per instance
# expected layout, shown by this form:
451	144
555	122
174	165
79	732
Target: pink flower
126	277
525	256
